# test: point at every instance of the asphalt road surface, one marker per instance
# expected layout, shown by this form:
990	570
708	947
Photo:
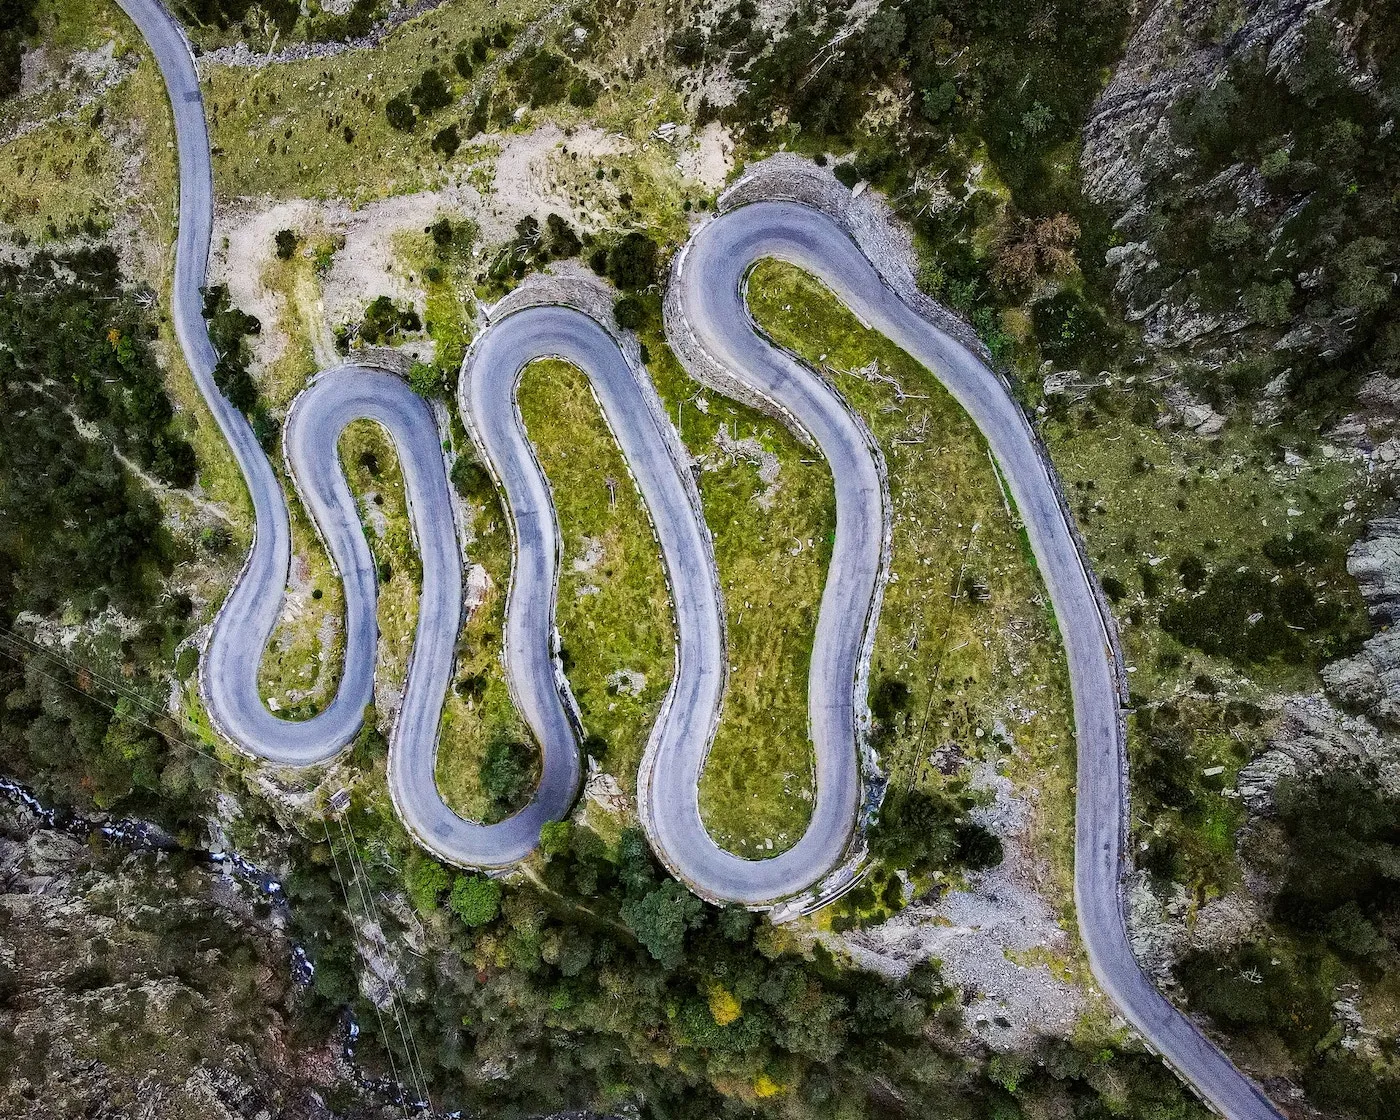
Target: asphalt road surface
711	276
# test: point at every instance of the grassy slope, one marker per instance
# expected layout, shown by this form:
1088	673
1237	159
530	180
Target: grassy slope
479	706
986	679
372	467
1144	495
312	102
613	612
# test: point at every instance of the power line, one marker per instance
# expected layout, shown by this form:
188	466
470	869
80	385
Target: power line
410	1044
30	645
173	740
389	1050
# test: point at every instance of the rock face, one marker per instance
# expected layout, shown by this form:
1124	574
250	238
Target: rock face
132	984
1314	735
1131	158
1375	563
1173	51
1369	683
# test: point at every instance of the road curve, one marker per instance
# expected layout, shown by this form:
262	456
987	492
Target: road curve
711	276
487	396
228	670
229	667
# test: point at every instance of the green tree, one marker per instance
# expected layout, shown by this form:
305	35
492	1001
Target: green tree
632	261
916	831
446	142
556	837
629	313
425	879
661	918
475	899
431	93
507	769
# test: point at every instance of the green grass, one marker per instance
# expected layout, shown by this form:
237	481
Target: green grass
1143	494
614	612
280	130
985	672
613	615
299	319
447	306
771	550
302	660
372	467
478	708
67	173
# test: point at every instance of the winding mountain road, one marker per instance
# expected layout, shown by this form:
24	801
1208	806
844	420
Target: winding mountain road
708	282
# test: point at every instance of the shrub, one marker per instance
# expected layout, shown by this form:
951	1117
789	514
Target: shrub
383	321
688	46
447	141
431	93
915	831
470	478
286	242
425	879
426	380
506	771
400	114
846	174
544	77
562	240
631	262
629	313
583	93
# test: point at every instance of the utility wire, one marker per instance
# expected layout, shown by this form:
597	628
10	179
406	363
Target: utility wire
410	1044
173	740
29	646
384	1032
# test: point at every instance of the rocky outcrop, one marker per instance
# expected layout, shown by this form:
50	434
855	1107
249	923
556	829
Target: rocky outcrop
1375	563
1175	48
1131	159
1314	737
1369	682
133	983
